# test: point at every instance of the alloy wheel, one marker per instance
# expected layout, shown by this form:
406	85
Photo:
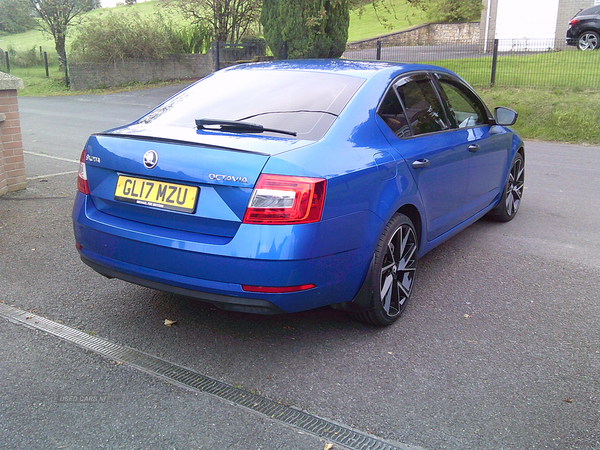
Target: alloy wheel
514	187
588	41
398	270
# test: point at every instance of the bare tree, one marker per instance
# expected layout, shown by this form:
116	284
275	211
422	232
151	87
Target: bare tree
229	20
56	17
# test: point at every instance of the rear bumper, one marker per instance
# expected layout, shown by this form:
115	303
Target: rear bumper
333	255
251	305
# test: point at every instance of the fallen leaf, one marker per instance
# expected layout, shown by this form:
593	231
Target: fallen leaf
328	447
467	316
568	400
168	322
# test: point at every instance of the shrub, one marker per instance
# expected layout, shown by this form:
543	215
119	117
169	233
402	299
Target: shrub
111	37
193	39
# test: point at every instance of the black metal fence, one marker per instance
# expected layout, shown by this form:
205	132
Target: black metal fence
27	58
507	63
224	54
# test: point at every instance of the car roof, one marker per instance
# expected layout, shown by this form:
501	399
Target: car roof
361	69
590	11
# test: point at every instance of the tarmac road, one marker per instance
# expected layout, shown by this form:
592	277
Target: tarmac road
499	348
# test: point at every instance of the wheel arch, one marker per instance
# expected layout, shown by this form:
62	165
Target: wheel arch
411	211
362	299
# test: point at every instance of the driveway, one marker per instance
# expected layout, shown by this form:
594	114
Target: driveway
499	348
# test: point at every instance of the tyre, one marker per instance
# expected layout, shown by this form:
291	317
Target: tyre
588	40
513	192
393	271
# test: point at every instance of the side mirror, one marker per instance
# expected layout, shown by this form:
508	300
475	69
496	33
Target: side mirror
505	116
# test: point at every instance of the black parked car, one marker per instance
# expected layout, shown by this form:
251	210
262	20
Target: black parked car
584	29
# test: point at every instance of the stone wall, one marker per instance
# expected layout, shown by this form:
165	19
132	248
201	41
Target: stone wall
181	67
426	34
12	165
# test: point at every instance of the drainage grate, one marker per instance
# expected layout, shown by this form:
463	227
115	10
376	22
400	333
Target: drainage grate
153	365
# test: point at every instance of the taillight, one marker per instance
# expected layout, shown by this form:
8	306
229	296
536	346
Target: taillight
277	289
284	200
573	22
82	183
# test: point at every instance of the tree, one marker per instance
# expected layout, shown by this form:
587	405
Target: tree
15	16
228	20
310	28
449	10
56	17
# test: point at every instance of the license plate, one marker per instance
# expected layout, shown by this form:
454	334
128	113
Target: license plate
156	194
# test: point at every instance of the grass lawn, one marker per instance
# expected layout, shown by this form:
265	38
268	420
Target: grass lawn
570	68
399	17
559	115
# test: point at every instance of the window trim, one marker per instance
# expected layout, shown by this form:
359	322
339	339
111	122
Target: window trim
408	77
455	81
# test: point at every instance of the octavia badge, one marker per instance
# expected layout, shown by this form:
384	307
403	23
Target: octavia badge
150	159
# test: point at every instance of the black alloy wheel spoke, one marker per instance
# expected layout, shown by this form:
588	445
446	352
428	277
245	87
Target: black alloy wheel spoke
398	270
514	188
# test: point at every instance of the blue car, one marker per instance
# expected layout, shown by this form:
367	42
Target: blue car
291	185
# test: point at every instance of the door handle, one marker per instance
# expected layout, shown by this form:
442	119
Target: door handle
420	163
474	147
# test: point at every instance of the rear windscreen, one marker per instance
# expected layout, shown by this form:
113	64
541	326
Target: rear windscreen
306	103
590	11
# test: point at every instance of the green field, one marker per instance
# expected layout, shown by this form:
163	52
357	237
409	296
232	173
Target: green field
36	38
400	17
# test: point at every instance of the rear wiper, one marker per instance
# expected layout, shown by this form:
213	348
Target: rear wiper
234	126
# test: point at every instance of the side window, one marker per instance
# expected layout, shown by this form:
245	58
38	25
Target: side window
393	115
423	108
465	111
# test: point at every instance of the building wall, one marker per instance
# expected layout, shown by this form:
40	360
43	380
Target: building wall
12	165
488	21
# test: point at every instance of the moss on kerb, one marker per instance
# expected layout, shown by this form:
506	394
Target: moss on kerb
9	82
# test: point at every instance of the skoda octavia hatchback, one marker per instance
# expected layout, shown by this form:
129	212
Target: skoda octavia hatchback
285	186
